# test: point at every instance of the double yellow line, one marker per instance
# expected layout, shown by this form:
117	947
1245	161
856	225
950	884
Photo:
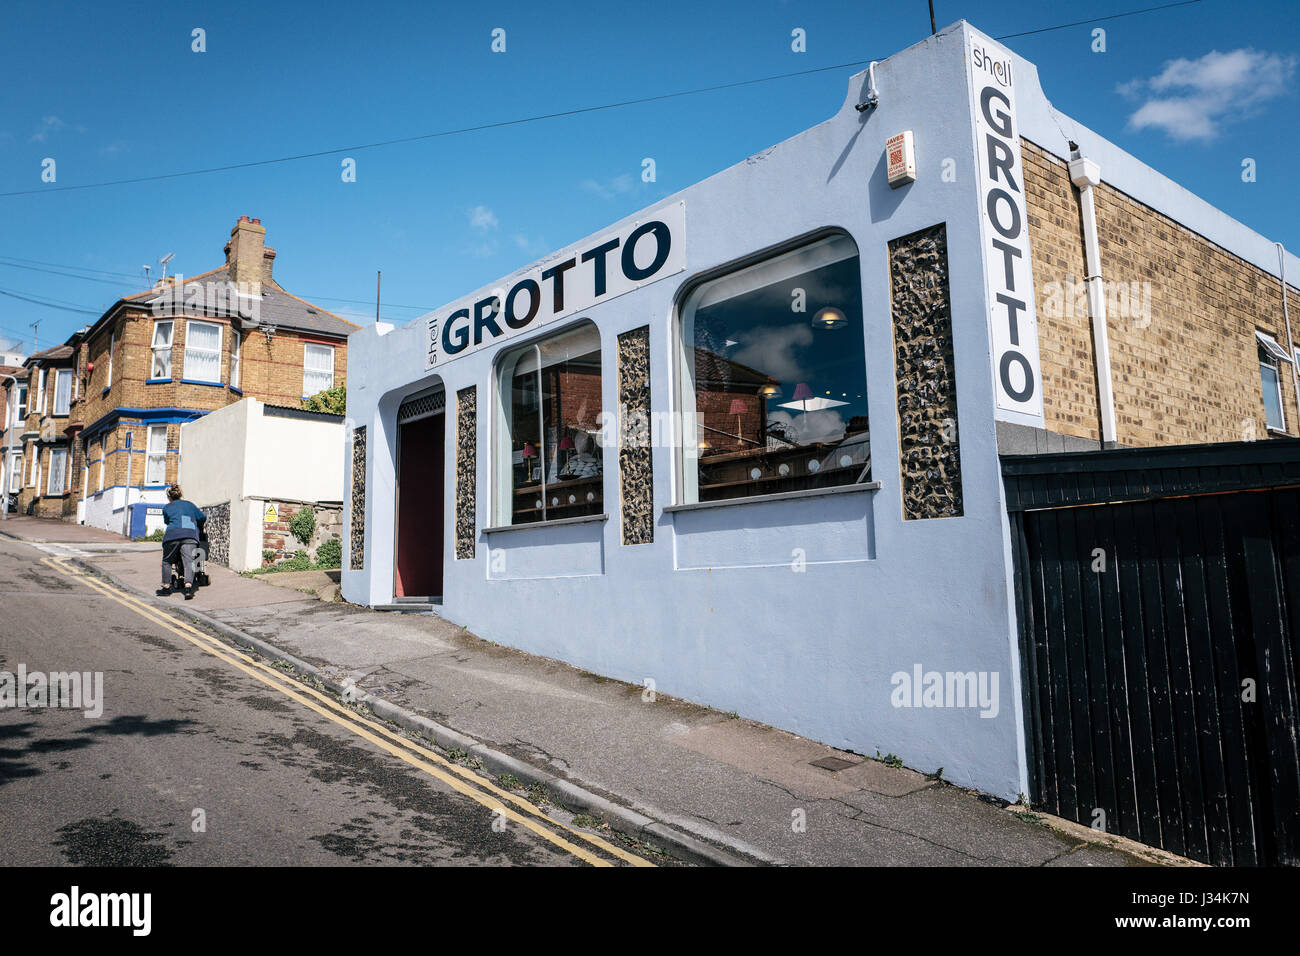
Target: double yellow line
460	779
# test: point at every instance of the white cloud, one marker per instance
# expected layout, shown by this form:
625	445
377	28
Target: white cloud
772	350
49	124
483	219
610	188
1195	99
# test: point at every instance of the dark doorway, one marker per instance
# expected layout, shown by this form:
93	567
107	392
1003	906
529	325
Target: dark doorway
420	451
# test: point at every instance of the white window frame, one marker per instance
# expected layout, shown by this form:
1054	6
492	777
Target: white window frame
40	393
500	483
15	472
155	349
21	404
150	454
31	465
190	350
63	472
236	353
112	341
60	375
306	350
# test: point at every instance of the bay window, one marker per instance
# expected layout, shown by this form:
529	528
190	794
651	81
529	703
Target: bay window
62	391
549	459
236	347
161	368
772	362
155	463
58	470
203	352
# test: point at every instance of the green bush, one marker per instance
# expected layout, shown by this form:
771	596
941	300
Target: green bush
332	400
330	554
156	536
268	555
303	524
299	562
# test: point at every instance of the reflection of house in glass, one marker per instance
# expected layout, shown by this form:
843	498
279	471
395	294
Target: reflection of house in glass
555	454
745	450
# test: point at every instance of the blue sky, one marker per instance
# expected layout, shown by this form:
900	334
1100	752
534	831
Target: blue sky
114	91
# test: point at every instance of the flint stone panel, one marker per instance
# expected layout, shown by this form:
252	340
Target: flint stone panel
217	529
635	454
466	470
357	533
929	452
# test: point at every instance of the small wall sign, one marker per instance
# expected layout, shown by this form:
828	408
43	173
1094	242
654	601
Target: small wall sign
271	515
901	159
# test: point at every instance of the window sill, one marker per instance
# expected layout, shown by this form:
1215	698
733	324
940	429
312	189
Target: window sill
105	391
236	389
780	496
195	381
555	523
158	381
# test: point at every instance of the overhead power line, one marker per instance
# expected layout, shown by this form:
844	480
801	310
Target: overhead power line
47	304
541	117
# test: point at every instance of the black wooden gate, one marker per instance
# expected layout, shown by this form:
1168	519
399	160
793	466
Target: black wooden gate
1158	599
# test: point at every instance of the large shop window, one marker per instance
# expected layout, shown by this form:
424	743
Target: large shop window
549	463
161	366
773	372
203	352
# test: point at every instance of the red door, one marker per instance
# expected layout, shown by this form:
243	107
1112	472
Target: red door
419	507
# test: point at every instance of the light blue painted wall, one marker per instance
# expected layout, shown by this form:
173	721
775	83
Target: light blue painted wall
712	610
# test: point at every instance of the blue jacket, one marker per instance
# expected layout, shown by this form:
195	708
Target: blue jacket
183	520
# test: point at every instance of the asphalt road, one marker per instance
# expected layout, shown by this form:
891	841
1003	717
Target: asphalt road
183	731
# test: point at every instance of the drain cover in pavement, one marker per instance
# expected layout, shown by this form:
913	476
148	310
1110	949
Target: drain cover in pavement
832	763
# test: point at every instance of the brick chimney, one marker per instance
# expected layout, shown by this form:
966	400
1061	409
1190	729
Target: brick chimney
247	256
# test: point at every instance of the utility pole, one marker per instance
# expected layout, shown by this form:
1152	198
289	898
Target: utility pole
6	472
35	331
379	276
933	28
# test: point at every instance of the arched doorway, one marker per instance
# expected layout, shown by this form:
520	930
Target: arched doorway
421	449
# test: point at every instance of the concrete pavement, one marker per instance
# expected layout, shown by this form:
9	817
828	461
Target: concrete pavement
755	792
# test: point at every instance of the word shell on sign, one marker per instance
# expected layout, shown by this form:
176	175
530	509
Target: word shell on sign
1004	230
572	281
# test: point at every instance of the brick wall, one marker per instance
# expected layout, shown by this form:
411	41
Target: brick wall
1182	315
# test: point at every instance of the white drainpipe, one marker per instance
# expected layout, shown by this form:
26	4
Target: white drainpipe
1286	317
1085	174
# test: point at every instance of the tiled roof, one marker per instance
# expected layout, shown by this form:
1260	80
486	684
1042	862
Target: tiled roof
52	354
279	308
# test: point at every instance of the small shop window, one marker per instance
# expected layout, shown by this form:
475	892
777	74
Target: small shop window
773	370
155	465
550	462
162	350
203	352
317	369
